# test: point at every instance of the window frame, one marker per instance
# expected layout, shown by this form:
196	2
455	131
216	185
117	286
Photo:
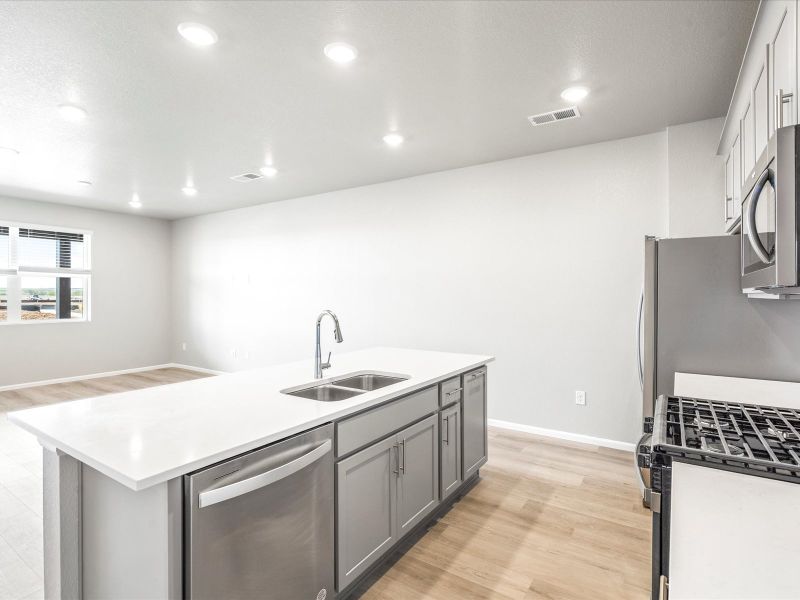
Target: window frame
15	272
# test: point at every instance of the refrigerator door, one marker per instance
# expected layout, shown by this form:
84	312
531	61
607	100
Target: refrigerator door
647	337
704	324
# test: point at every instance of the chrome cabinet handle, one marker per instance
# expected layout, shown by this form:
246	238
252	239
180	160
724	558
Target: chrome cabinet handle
663	588
396	449
451	392
261	480
767	257
781	98
446	440
476	375
403	462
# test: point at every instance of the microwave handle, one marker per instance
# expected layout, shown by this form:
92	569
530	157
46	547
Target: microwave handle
763	254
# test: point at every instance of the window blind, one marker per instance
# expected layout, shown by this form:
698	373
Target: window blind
5	260
51	251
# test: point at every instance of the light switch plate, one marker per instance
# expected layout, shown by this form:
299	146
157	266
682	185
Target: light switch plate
580	398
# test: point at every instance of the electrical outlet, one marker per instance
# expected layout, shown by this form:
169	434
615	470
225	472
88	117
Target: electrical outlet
580	397
183	346
234	353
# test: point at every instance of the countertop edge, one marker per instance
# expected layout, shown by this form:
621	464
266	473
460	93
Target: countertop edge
163	476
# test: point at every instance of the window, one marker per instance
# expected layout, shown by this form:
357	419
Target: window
44	274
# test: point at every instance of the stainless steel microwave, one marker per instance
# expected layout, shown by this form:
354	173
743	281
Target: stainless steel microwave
769	217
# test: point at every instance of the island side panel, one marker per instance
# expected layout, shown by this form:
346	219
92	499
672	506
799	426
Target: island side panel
62	525
131	540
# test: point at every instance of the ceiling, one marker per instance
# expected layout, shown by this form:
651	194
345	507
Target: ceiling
458	79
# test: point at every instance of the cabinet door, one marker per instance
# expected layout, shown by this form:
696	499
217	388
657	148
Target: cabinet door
366	519
746	141
736	153
474	430
728	201
418	483
783	65
761	110
450	450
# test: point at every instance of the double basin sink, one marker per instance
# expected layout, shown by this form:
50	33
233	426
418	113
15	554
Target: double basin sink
345	387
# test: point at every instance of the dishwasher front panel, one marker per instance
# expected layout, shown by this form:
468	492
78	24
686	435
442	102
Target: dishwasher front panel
260	526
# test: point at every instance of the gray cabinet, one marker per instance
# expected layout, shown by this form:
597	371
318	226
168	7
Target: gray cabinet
474	429
418	480
450	450
366	517
383	491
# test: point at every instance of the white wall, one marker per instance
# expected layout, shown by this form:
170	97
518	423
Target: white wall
537	260
696	179
130	324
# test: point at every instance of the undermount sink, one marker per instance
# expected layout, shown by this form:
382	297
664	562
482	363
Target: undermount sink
368	381
326	393
346	387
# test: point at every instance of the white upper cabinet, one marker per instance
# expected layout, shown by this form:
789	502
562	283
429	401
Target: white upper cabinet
747	142
760	111
764	99
783	65
736	152
733	186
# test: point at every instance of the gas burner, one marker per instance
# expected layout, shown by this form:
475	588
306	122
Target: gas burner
719	448
703	423
780	434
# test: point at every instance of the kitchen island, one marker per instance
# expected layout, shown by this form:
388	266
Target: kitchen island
115	466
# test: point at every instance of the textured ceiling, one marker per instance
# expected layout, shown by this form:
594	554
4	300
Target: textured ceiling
457	78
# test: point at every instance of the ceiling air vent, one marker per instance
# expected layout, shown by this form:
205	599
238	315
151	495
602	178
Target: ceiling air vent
561	114
245	177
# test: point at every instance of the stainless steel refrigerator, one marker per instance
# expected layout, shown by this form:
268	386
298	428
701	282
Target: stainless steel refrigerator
694	318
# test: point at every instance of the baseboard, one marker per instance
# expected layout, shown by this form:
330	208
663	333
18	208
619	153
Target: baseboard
564	435
193	368
30	384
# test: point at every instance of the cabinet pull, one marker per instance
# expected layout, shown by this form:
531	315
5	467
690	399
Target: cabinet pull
479	374
403	461
447	430
396	449
781	98
663	588
451	392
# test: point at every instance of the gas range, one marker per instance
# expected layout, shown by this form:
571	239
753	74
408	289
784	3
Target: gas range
759	440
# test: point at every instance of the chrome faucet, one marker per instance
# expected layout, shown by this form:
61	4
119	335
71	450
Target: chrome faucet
320	366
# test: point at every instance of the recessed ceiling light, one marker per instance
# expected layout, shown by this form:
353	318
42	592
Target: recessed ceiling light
71	112
268	171
341	53
189	191
135	202
6	152
575	94
198	34
393	139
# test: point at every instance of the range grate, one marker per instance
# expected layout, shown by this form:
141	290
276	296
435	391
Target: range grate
742	435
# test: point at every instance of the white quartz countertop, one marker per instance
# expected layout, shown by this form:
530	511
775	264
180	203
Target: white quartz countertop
145	437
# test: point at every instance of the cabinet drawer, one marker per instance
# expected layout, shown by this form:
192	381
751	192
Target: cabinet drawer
450	391
358	431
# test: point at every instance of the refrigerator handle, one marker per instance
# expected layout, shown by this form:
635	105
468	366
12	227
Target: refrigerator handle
639	356
766	256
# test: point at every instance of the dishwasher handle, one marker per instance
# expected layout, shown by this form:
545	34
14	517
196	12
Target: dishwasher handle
261	480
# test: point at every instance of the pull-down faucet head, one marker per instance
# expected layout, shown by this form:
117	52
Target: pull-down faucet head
320	366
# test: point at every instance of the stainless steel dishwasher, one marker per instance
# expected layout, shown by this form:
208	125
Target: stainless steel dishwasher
260	526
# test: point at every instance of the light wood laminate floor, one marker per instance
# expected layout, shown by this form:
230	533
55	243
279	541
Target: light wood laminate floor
21	473
548	519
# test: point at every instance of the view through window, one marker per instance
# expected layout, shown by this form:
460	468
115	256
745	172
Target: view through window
44	274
